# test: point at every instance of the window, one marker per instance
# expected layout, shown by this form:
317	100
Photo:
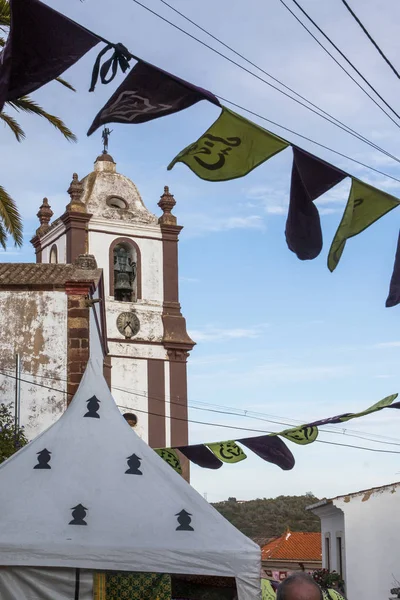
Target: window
116	202
53	254
327	553
124	261
339	555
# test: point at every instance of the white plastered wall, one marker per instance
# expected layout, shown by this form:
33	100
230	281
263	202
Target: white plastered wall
372	521
34	324
55	237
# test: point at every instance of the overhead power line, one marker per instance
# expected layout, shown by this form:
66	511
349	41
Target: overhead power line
343	56
371	39
260	116
328	117
226	410
221	425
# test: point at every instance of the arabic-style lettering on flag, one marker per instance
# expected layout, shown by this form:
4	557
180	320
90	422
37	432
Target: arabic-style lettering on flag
41	45
394	290
228	452
230	148
171	457
200	455
311	177
149	93
272	449
306	434
365	205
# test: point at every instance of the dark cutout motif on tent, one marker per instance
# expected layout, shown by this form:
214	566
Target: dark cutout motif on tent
79	513
311	177
93	405
134	464
184	520
149	93
201	456
41	45
44	457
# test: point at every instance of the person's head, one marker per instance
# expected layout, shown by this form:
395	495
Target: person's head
299	586
131	419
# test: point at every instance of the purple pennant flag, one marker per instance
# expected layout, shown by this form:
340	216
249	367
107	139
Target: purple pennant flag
41	45
200	455
272	449
148	93
311	177
329	420
394	291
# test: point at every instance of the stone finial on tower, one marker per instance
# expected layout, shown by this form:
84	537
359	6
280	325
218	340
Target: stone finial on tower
75	190
167	203
44	215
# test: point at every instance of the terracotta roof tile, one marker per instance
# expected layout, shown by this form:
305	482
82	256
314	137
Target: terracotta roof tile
53	275
294	545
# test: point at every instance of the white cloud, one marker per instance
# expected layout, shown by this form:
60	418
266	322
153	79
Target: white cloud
387	345
216	334
184	279
199	224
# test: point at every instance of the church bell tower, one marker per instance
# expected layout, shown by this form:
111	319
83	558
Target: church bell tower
147	340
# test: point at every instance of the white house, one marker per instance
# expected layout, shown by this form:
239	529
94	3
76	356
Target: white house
360	540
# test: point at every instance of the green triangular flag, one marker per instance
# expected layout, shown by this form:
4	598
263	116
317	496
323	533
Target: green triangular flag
374	408
301	435
267	591
230	148
171	457
228	452
365	205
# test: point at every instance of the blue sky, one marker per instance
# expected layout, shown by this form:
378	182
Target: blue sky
274	335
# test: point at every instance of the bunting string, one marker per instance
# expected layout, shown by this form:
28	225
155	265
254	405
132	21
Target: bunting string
43	43
270	447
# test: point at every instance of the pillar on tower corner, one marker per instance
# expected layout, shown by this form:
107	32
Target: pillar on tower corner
176	339
44	215
76	220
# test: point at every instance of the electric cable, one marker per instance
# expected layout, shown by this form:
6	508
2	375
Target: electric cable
264	118
369	36
247	414
328	117
222	425
343	56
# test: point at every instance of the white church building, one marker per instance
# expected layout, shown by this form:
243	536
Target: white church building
107	250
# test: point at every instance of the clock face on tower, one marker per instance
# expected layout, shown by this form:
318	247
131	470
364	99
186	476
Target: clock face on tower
128	324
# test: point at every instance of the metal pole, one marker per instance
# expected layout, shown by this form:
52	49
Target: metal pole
17	400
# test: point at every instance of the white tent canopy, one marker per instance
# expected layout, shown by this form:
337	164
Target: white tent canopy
71	499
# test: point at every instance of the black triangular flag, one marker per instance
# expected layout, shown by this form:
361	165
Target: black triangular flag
41	45
148	93
311	177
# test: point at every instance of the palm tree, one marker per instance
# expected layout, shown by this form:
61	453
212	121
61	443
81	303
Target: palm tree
10	219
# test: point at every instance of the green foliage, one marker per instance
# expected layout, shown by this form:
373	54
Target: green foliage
10	442
270	517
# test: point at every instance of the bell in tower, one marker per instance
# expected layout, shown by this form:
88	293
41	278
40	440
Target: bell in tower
124	274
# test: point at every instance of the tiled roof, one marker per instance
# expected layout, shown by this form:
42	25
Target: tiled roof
294	545
37	274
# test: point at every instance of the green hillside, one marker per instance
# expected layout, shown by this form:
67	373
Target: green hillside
270	517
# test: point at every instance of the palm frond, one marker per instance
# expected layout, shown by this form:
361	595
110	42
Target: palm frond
28	105
5	14
65	83
10	220
13	125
